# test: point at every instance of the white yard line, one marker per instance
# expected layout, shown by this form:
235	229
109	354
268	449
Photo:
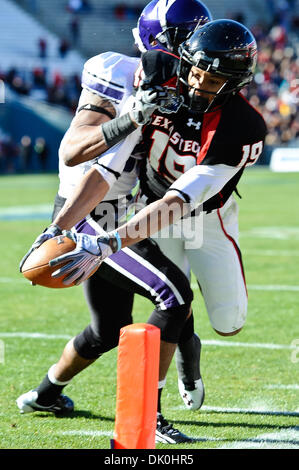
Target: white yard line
211	342
23	334
275	287
258	411
284	439
266	287
250	411
282	387
274	233
272	253
86	433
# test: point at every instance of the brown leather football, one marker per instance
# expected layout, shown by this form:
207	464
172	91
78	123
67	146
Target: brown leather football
36	268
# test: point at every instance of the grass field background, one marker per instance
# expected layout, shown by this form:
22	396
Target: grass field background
251	380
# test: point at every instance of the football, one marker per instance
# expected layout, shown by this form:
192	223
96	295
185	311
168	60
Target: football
36	268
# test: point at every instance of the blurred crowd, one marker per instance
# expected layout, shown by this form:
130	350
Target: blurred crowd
22	157
274	90
40	85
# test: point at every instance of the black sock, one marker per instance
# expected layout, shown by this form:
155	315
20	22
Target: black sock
159	399
48	392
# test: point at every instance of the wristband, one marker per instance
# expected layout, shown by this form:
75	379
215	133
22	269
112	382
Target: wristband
55	226
116	241
117	129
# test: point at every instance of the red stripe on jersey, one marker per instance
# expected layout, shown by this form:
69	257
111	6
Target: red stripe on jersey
171	83
221	198
237	249
167	52
210	123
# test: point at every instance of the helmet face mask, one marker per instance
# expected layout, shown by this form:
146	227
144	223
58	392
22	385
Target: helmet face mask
224	48
164	24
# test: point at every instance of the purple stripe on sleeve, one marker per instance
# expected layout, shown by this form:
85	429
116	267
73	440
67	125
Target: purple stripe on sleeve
90	82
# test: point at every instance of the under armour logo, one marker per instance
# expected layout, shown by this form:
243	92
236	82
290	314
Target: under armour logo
192	123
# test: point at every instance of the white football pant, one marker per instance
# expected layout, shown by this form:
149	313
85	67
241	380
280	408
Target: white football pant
216	263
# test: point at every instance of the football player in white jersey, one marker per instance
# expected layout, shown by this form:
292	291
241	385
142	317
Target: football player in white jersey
107	82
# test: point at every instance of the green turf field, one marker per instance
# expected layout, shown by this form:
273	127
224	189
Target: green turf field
251	380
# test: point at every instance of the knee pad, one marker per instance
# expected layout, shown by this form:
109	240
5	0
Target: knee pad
90	346
170	322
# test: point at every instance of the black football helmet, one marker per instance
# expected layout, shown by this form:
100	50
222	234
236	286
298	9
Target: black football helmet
225	48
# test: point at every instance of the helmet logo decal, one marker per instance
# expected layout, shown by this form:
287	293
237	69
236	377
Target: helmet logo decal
162	11
174	102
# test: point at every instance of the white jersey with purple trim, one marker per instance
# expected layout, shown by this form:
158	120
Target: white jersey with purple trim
111	76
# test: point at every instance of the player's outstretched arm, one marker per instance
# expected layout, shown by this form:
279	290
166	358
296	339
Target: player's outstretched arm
90	192
90	250
187	193
87	195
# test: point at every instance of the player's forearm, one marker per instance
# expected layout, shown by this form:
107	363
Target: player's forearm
88	194
152	218
84	143
81	144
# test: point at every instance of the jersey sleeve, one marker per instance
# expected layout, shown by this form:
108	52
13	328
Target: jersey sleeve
202	182
111	76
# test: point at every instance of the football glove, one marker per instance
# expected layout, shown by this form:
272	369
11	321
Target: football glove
89	253
146	100
52	231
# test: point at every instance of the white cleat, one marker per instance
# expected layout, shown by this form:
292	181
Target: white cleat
27	404
193	394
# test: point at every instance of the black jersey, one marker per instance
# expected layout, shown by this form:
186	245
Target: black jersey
173	143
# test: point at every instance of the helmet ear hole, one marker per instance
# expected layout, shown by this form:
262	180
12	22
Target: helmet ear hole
152	40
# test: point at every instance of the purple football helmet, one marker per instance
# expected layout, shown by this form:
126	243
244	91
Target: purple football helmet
165	24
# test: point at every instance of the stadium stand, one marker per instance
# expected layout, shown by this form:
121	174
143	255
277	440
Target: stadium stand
108	25
42	57
20	44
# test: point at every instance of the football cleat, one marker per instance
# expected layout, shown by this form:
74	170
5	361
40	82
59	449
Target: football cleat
167	434
190	383
27	403
193	394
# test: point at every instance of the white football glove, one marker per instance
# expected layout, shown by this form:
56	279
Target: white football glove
52	231
89	253
146	101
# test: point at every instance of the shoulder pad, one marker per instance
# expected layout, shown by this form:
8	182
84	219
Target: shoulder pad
109	75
